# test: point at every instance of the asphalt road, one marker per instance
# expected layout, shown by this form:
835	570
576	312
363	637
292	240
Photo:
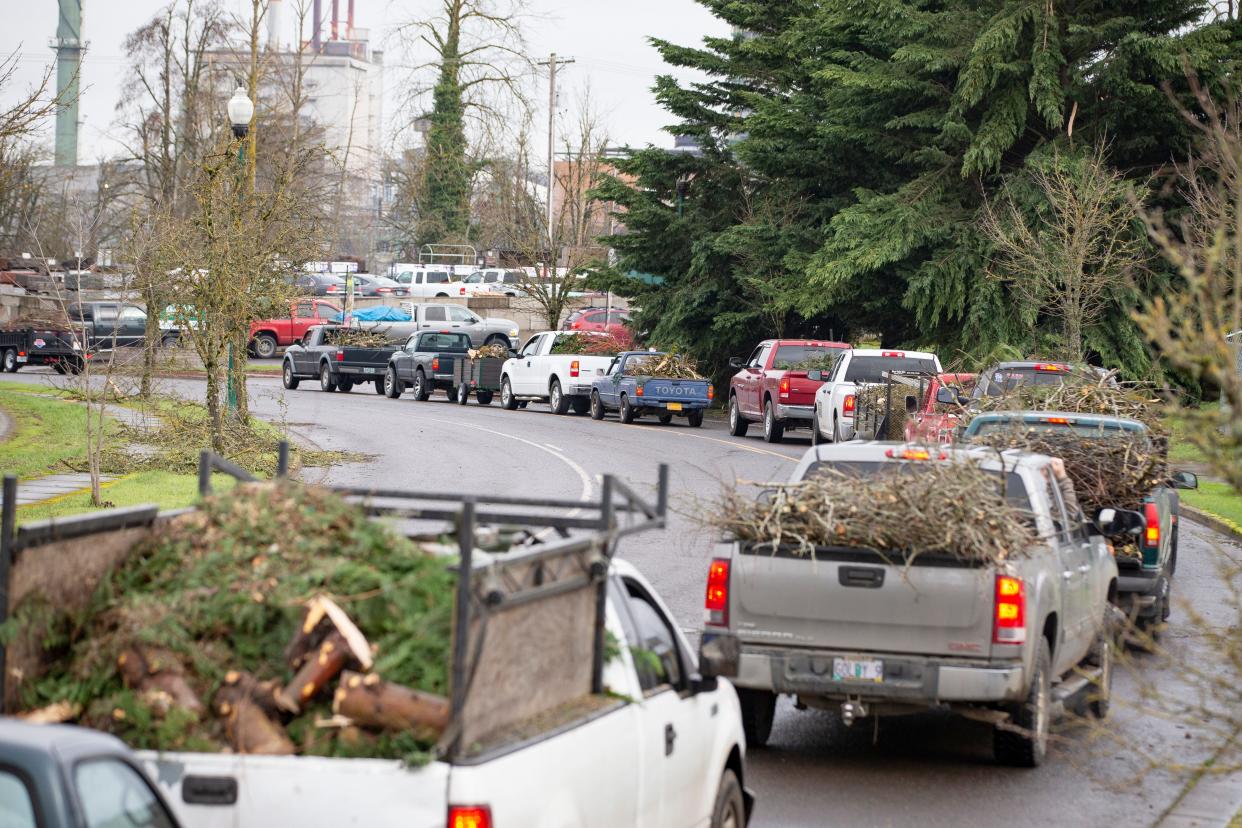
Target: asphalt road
928	769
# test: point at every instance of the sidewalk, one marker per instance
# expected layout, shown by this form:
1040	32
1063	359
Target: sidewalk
54	486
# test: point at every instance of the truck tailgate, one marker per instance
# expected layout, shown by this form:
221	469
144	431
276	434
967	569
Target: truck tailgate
801	388
364	358
675	389
300	790
854	600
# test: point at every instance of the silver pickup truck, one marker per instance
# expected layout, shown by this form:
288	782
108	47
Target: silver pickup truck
871	634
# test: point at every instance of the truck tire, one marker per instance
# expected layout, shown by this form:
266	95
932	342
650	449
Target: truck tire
1023	740
287	378
730	808
758	713
627	411
421	392
507	400
597	406
695	418
817	439
836	430
773	429
10	360
379	386
463	394
665	419
557	401
326	381
738	426
1101	658
264	346
393	387
499	338
484	397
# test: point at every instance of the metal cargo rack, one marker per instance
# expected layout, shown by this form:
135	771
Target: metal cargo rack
883	422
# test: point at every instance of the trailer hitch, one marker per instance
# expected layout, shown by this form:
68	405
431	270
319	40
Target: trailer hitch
852	708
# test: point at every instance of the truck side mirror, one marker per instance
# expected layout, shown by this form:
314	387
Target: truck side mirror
719	655
946	396
1112	522
815	375
1185	480
735	362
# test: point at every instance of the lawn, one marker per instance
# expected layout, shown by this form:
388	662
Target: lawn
1217	498
164	489
46	432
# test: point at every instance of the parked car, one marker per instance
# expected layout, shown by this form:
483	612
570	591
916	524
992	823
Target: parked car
482	330
61	776
1145	584
108	325
372	286
598	319
425	364
428	282
1006	376
629	388
537	374
494	280
777	385
875	633
267	335
836	399
337	367
320	284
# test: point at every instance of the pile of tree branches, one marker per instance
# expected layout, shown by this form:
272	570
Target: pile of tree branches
663	366
594	344
904	511
276	619
493	350
1080	394
361	338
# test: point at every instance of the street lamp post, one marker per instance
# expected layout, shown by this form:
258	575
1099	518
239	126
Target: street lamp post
241	110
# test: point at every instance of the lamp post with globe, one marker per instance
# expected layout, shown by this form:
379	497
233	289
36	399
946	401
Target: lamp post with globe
240	110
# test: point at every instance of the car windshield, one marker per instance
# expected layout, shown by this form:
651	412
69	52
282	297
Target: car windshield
1055	424
1014	488
444	342
872	368
805	358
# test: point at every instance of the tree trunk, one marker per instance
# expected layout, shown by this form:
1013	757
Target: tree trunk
215	420
152	336
315	673
158	672
372	702
240	343
248	728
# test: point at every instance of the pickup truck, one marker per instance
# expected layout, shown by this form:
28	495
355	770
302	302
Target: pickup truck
562	380
427	282
1006	376
626	388
482	330
872	633
775	385
268	335
425	363
338	367
1145	583
833	415
939	414
61	776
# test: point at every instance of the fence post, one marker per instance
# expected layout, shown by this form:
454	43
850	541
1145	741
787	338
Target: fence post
461	614
608	508
662	493
282	459
8	530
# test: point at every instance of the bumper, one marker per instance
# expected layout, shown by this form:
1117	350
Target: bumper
907	678
649	404
795	412
578	389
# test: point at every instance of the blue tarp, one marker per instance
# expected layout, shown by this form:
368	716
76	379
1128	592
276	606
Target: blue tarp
378	313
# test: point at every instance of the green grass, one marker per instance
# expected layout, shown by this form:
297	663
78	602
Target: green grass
164	489
1219	499
262	368
1181	450
45	433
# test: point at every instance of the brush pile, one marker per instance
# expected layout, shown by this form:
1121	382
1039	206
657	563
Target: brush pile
492	350
360	338
663	366
593	344
1081	394
276	619
904	511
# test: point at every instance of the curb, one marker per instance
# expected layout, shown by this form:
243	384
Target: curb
1225	527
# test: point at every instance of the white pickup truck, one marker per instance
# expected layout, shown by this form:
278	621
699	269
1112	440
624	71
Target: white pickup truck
874	633
833	417
561	380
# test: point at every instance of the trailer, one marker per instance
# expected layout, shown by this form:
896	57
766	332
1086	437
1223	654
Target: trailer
480	376
56	347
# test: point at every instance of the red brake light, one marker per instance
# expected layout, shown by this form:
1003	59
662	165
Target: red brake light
893	353
469	816
1057	420
435	363
1050	366
463	290
848	407
717	603
711	392
784	386
573	368
1009	626
1151	535
638	391
340	356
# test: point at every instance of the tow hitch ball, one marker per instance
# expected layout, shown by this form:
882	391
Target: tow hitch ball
852	709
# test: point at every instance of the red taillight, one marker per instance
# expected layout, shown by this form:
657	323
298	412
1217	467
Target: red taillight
463	291
340	356
638	391
575	326
717	603
435	363
784	386
383	290
573	368
1010	623
1056	420
893	353
848	407
469	816
1151	535
711	392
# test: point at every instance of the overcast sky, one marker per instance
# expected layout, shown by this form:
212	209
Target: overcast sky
607	39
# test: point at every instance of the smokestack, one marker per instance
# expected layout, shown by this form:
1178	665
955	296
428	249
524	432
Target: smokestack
336	18
68	46
316	28
349	26
274	22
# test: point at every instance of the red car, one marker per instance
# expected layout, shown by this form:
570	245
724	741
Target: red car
777	385
940	412
266	335
598	319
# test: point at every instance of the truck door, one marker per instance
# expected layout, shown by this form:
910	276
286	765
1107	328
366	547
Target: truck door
1076	573
610	394
750	381
433	316
522	374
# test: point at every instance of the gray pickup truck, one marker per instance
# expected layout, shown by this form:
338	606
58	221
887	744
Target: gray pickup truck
425	364
871	634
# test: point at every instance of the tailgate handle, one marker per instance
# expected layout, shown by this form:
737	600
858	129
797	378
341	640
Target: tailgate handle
209	790
866	577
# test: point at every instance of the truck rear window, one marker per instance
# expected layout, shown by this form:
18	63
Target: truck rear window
805	358
437	277
1008	379
443	342
872	368
1100	430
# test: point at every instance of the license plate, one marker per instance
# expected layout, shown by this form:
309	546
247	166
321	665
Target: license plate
858	669
674	406
371	370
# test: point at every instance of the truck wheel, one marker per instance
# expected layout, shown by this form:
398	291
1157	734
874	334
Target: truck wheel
817	439
498	339
286	375
463	394
580	405
597	406
627	412
265	346
379	387
730	808
393	387
695	418
1023	740
1166	598
421	392
836	430
738	425
59	367
773	429
10	361
1101	658
665	419
758	713
484	397
507	400
326	382
556	399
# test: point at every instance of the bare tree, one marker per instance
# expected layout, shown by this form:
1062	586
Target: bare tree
1073	258
19	184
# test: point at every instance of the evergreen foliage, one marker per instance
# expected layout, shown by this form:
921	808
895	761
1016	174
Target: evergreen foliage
445	198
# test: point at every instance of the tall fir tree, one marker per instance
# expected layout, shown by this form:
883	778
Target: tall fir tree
444	203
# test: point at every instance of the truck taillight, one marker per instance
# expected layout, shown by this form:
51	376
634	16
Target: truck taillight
573	368
893	354
1151	534
638	392
435	363
711	392
784	386
1010	623
717	603
848	407
469	816
463	290
340	356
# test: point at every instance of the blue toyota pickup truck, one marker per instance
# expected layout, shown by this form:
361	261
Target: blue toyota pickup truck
629	388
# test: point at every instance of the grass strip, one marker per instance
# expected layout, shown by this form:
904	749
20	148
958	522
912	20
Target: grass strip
1217	499
47	436
161	488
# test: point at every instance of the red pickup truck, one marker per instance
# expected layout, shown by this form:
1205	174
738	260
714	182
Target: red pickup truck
940	414
266	335
777	385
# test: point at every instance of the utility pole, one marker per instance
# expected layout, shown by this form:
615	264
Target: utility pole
552	63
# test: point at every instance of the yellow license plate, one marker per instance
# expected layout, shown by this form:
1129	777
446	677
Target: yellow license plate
674	406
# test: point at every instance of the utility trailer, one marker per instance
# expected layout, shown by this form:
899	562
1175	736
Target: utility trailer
480	377
56	347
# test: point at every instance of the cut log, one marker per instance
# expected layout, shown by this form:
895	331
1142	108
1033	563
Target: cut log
263	693
248	728
320	618
149	671
55	713
372	702
315	673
